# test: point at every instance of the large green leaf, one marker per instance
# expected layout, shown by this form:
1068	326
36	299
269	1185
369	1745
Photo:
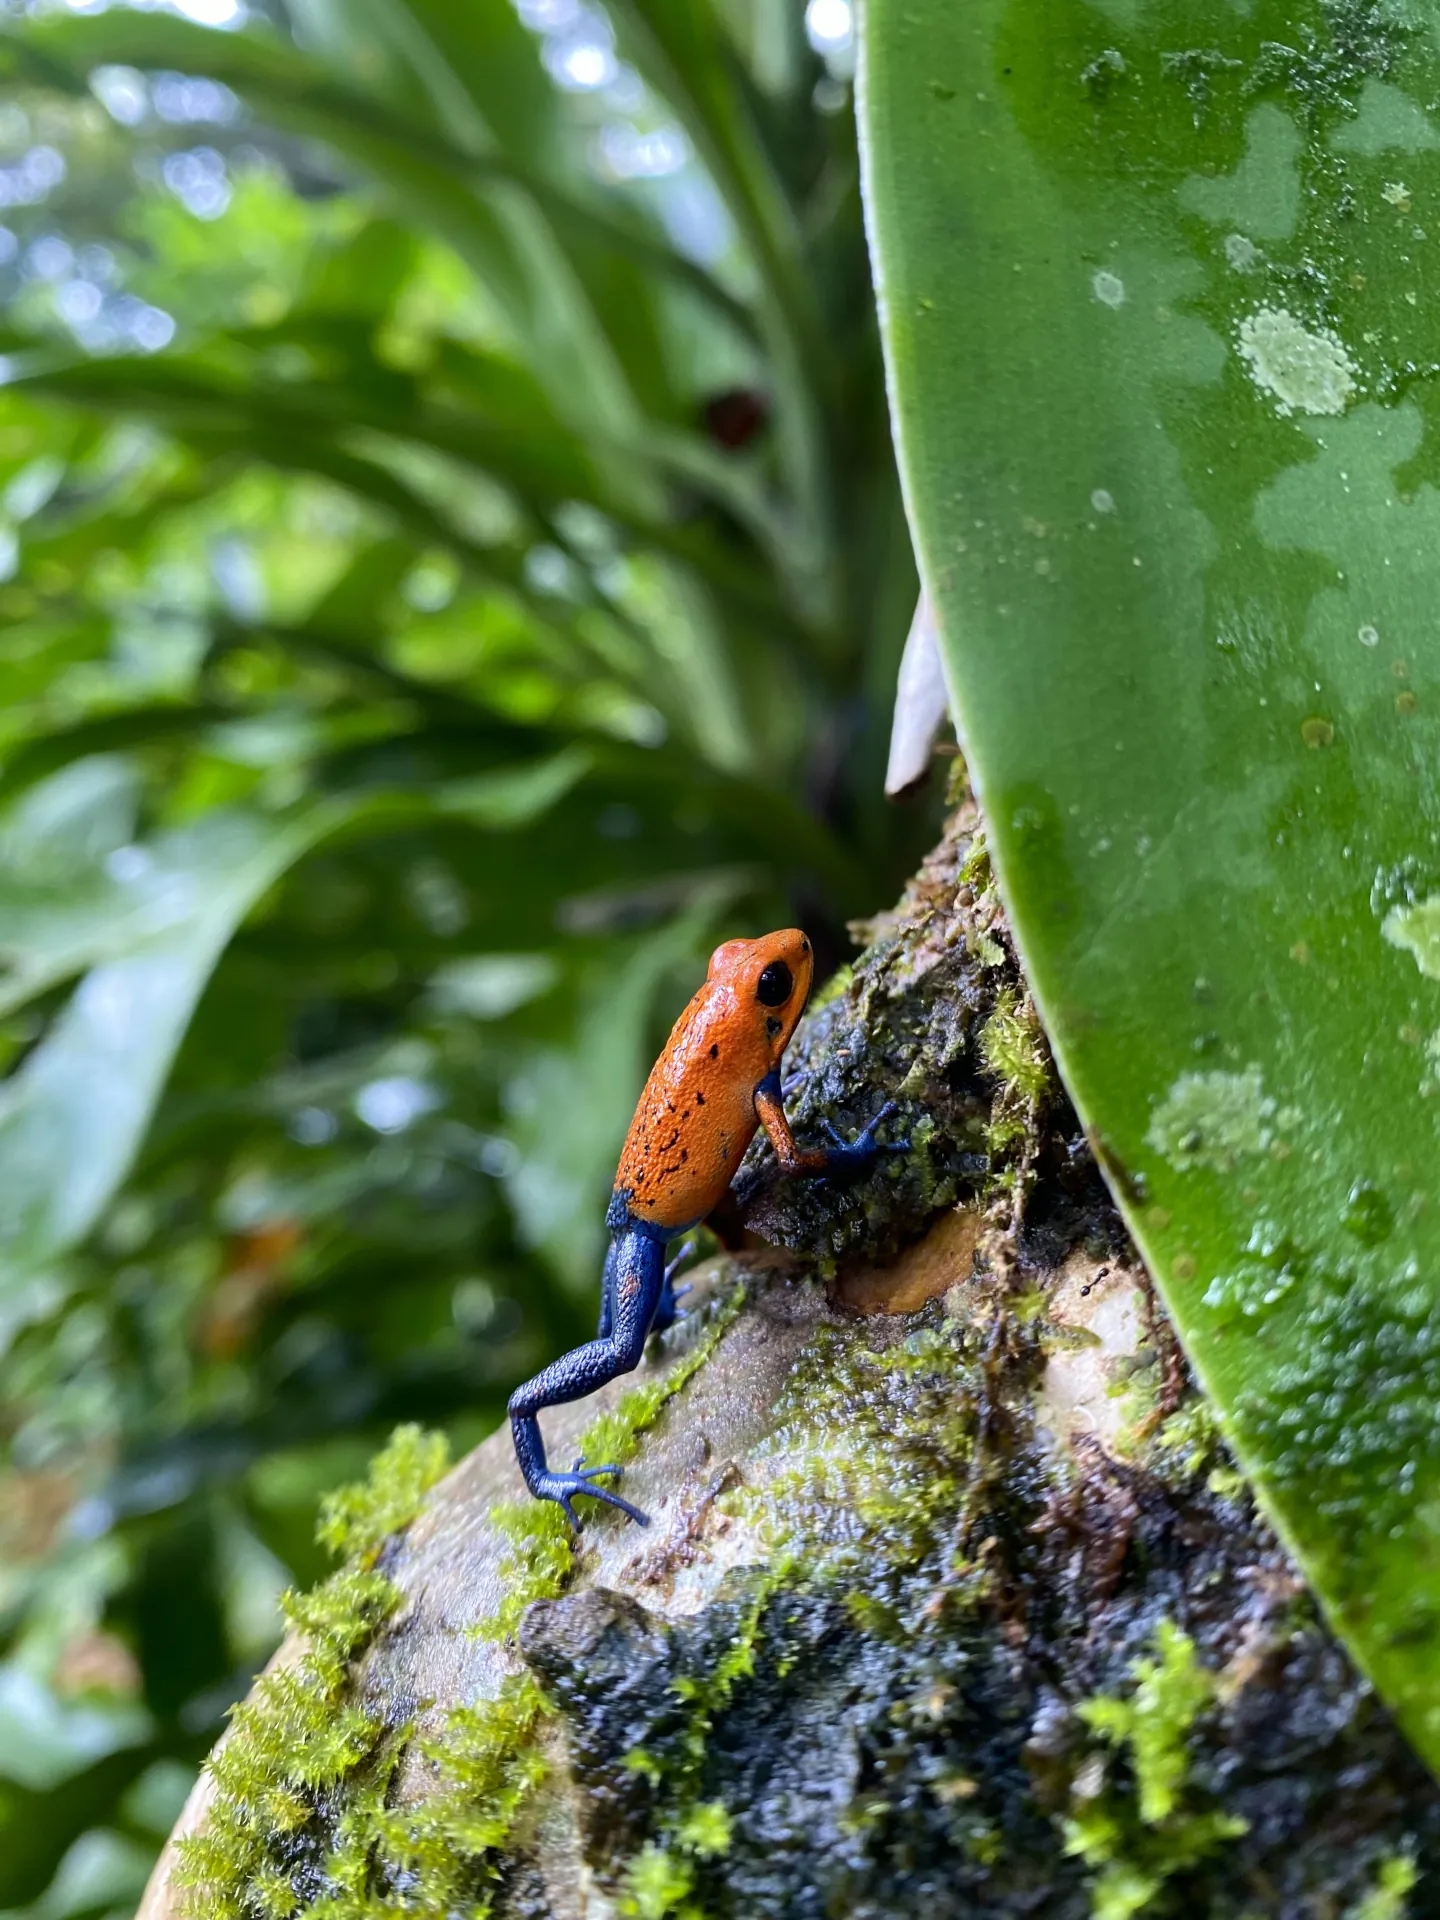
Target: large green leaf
1155	284
74	1114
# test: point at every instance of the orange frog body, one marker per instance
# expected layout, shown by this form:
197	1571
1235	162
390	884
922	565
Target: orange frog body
716	1082
700	1109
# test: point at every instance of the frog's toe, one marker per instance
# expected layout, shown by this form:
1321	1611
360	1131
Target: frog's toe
851	1155
563	1488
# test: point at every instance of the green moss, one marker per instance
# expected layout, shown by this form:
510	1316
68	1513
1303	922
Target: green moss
1138	1380
1177	1445
483	1767
657	1886
661	1877
299	1734
1190	1439
1153	1722
709	1696
1137	1842
706	1830
302	1746
1189	1442
1013	1052
975	870
837	984
987	949
1388	1899
875	1446
356	1521
1012	1049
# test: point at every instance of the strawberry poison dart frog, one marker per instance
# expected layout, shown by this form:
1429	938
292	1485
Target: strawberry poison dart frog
717	1080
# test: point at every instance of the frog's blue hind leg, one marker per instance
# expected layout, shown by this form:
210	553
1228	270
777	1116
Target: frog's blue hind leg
670	1295
634	1283
607	1288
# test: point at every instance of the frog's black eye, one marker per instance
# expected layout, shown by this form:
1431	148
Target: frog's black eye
776	984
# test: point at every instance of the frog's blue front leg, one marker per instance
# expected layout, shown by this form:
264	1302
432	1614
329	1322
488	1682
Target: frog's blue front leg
635	1277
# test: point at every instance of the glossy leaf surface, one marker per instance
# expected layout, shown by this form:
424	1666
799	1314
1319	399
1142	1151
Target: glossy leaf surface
1158	293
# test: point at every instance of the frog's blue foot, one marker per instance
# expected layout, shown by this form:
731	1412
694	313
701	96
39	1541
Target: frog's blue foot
562	1488
845	1156
547	1484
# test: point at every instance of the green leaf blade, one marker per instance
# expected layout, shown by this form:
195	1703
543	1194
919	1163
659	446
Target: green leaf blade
1147	291
72	1117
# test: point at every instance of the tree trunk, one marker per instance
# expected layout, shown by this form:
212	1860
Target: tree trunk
952	1602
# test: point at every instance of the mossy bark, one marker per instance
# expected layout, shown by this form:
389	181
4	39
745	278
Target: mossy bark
952	1602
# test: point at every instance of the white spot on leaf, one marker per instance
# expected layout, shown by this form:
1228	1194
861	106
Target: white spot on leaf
1212	1119
1307	372
1416	931
1108	288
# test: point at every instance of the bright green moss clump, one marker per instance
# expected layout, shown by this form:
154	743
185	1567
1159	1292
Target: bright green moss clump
661	1879
299	1735
441	1849
1137	1844
356	1521
1013	1050
659	1886
1388	1899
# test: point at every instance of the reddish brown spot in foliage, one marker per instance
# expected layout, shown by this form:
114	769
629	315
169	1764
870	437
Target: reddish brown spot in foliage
733	418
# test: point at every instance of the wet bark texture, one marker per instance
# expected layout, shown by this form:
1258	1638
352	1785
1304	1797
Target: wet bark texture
952	1603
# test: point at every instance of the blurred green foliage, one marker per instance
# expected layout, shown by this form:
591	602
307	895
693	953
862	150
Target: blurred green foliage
453	572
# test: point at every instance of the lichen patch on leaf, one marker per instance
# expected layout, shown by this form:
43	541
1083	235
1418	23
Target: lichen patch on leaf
1213	1119
1416	931
1108	288
1307	370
